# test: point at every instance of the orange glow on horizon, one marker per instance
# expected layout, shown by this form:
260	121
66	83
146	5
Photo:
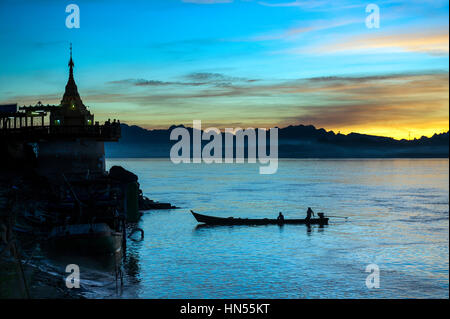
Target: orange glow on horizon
396	133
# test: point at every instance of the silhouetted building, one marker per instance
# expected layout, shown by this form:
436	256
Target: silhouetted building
72	111
66	138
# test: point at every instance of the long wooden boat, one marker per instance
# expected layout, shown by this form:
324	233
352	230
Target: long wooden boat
211	220
87	238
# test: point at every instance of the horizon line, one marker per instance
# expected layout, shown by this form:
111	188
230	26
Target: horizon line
292	125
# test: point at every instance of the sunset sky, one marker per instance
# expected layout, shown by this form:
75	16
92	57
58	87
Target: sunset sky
240	63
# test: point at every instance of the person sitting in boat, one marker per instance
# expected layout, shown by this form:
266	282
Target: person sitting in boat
280	217
309	213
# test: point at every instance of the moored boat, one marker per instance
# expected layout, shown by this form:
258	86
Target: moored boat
96	238
211	220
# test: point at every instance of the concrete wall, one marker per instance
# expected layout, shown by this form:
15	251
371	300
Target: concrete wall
16	155
80	157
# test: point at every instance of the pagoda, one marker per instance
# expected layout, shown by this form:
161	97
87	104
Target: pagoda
72	111
65	137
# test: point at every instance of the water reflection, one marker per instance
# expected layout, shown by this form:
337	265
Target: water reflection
398	213
309	228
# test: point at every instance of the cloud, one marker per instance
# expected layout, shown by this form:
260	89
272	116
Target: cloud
141	82
358	103
297	3
207	1
387	104
48	44
217	78
192	79
319	5
383	104
293	32
433	42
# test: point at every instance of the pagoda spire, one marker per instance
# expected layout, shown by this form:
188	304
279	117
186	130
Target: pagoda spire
71	61
71	87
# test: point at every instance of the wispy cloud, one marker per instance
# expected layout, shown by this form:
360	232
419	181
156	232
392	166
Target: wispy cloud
191	79
217	78
207	1
48	44
386	104
293	32
433	42
143	82
297	3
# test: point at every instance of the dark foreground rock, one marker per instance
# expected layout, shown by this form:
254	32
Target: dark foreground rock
147	204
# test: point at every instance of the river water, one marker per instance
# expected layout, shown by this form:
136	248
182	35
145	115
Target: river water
398	219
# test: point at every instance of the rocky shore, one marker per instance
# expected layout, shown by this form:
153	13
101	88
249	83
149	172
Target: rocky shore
30	205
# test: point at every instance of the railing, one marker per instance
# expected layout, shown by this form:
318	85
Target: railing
107	132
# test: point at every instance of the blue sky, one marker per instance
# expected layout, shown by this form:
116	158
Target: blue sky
236	63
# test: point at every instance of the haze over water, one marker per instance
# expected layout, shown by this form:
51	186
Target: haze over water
398	219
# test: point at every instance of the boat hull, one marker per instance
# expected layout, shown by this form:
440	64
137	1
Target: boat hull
86	238
211	220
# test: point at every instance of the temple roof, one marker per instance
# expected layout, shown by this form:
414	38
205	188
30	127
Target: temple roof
71	92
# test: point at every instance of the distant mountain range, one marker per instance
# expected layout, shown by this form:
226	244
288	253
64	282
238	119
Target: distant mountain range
294	142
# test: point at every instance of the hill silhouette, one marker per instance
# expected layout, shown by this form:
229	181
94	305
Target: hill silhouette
298	141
